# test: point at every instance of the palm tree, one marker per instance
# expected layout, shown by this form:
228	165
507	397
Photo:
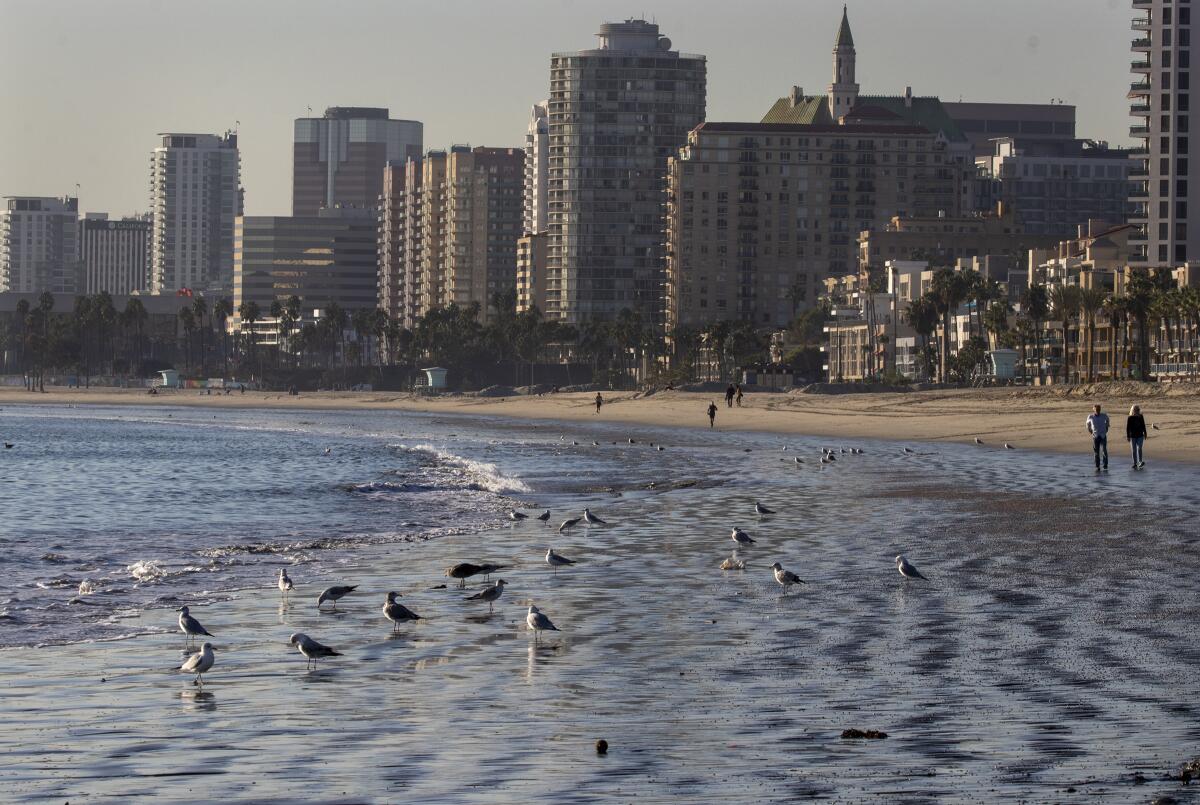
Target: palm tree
200	311
1064	302
922	316
1139	298
135	316
188	320
949	289
1115	309
222	310
1091	302
1035	303
250	313
995	321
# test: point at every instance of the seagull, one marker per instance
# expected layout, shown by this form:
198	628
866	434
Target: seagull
518	516
397	613
907	569
489	594
544	516
733	562
592	519
907	450
199	663
786	577
760	509
335	594
9	445
285	582
1008	446
740	537
190	626
1155	426
311	649
799	460
328	450
487	570
462	571
595	444
538	622
568	523
660	448
557	560
631	441
978	440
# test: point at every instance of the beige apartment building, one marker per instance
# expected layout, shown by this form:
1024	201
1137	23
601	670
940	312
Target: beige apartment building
531	272
758	214
449	227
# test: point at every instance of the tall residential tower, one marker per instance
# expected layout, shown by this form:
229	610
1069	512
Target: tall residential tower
617	113
39	245
1161	99
195	195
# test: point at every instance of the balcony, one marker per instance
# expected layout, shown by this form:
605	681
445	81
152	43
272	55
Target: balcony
1139	172
1142	24
1140	45
1140	66
1139	109
1139	194
1140	88
1139	131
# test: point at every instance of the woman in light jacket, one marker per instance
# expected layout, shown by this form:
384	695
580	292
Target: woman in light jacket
1135	432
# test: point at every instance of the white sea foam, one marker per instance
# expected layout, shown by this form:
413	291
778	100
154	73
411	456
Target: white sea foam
486	476
147	570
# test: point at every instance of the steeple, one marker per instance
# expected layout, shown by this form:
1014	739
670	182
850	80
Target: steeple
843	92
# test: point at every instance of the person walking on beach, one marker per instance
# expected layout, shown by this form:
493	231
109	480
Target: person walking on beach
1097	425
729	392
1135	432
739	395
599	402
712	414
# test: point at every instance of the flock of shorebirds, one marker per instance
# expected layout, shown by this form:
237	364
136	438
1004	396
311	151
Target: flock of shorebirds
536	620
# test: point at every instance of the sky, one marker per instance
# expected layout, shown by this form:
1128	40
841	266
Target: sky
88	83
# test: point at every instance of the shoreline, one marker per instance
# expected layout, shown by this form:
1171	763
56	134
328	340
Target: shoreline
1049	420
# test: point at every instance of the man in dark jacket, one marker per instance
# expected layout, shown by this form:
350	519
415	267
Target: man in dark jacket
1097	425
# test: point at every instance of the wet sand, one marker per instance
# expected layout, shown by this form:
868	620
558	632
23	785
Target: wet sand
1048	419
1051	656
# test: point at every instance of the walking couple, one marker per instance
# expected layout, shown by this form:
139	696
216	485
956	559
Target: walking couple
1135	433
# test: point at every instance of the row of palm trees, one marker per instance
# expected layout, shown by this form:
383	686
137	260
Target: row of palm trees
1152	319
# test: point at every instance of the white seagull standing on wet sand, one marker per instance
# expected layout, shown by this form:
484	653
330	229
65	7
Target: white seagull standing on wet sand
311	649
907	569
190	626
557	560
592	519
978	440
569	523
335	593
544	516
761	510
518	516
1008	446
740	537
538	622
490	594
786	578
285	582
199	663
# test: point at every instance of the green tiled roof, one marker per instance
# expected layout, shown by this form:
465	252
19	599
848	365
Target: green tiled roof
929	113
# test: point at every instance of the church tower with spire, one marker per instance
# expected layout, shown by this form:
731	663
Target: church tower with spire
843	92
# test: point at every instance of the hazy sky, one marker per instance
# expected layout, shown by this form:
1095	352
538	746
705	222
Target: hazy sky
88	83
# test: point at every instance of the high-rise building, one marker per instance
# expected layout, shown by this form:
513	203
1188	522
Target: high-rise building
115	254
1160	96
759	214
984	122
617	114
1053	186
449	227
531	272
537	168
338	159
195	195
39	244
325	258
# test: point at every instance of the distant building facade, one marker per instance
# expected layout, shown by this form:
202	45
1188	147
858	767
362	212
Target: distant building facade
39	245
1160	101
616	114
195	196
984	122
537	169
338	159
449	229
758	214
531	272
115	254
1053	186
326	258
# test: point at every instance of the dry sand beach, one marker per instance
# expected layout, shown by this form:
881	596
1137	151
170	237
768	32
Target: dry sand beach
1050	419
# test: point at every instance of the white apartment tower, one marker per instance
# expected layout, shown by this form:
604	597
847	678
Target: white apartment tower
537	168
1165	170
617	113
39	244
843	92
195	195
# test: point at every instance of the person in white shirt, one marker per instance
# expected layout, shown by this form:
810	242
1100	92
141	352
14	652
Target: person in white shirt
1097	425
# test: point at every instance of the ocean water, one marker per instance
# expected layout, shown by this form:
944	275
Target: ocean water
1049	657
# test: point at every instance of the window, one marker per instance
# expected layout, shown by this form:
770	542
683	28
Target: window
1181	166
1181	248
1181	145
